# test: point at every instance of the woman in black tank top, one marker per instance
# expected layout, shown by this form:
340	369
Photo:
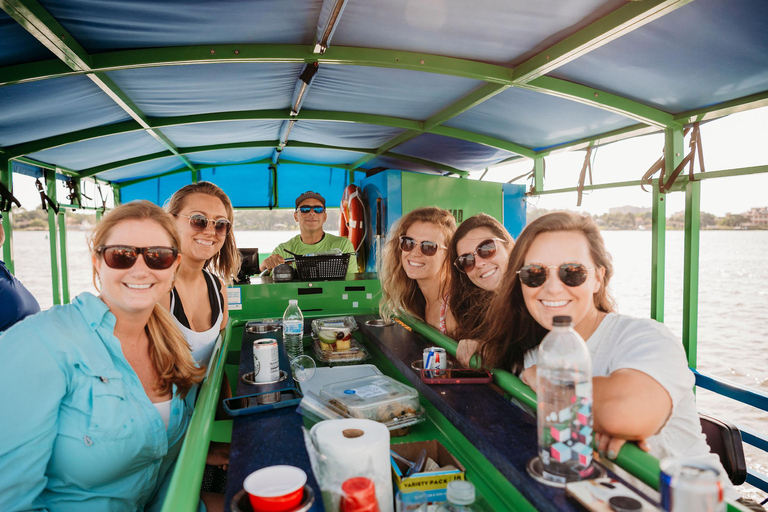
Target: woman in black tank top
198	301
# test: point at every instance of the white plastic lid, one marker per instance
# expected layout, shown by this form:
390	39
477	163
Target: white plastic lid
293	301
460	492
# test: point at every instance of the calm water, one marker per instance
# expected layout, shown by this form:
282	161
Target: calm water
733	304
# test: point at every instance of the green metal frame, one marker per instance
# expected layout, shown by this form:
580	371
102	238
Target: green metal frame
6	178
50	181
658	252
691	270
188	474
62	218
531	74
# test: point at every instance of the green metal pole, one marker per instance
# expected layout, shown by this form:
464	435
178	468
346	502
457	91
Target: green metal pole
50	180
98	215
658	253
116	195
538	174
691	270
63	256
6	178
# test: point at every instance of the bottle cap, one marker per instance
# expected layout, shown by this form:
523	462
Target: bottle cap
561	321
358	495
296	301
460	492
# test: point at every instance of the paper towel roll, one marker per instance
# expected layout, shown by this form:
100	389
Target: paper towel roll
350	448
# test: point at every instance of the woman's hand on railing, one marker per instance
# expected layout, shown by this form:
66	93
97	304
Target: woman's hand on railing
465	350
529	377
609	447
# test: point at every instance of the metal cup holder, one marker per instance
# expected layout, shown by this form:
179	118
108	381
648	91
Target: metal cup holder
266	398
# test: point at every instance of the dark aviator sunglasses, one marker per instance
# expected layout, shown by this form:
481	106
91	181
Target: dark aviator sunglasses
199	222
124	256
485	249
571	274
407	244
307	209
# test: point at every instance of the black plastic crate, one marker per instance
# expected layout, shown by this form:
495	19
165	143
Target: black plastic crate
326	267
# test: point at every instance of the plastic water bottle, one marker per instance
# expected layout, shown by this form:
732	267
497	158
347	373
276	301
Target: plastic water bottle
293	329
564	380
460	496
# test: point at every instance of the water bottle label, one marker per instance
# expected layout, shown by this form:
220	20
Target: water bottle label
293	328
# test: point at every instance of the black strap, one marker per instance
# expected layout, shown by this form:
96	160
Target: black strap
103	201
7	199
47	201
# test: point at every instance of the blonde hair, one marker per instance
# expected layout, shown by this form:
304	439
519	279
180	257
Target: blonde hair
399	292
225	263
168	349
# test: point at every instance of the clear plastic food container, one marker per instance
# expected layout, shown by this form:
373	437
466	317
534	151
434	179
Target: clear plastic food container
378	398
331	354
334	334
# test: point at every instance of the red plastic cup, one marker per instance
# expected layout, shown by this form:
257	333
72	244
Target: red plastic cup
359	495
275	488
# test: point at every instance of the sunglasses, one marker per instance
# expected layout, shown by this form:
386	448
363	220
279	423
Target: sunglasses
124	256
407	244
200	222
307	209
571	274
486	249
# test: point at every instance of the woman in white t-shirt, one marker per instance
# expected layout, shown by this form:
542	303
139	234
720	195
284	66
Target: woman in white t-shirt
643	388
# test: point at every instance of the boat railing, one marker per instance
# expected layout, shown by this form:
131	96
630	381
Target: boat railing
631	458
184	490
748	397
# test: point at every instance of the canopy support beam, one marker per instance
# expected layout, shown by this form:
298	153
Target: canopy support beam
6	178
258	144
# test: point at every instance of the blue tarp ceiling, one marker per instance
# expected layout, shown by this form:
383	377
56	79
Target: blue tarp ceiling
425	86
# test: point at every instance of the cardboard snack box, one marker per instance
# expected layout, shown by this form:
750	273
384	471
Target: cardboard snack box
433	483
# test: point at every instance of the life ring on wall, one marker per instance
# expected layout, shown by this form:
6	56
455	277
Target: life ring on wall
352	220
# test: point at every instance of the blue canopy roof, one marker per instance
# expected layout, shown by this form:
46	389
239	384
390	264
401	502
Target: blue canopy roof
249	92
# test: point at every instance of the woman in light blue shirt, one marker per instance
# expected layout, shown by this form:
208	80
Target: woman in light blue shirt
95	399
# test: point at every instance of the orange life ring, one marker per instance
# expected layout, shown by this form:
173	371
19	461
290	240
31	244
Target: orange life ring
352	222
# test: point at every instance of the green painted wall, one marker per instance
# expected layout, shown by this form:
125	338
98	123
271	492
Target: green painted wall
462	197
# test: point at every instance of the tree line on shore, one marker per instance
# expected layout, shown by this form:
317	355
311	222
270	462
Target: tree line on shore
639	220
246	220
282	220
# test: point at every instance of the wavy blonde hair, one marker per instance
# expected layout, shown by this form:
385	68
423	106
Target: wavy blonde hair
399	292
168	349
226	263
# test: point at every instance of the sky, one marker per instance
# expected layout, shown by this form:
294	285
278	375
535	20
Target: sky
739	140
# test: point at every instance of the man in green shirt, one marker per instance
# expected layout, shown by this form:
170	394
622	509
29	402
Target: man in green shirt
310	214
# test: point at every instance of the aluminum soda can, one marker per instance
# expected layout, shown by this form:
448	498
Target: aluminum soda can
434	358
266	361
688	485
